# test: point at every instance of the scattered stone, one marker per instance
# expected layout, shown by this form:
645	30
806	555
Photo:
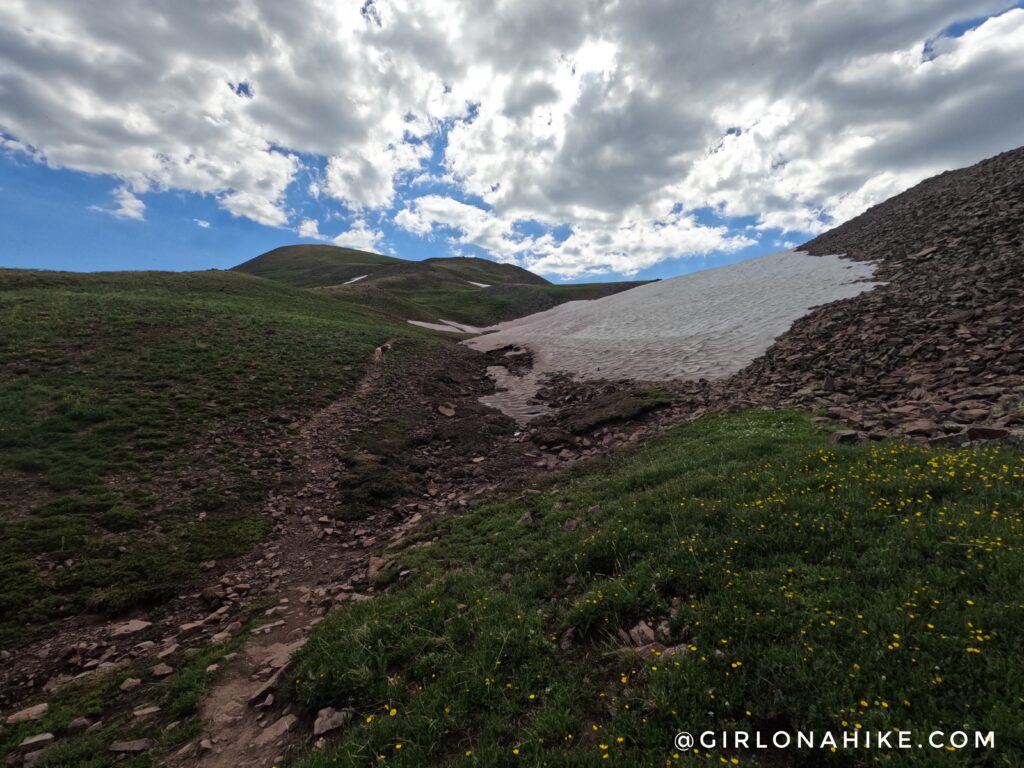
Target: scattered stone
30	713
170	650
845	437
130	683
146	711
330	719
274	732
131	747
642	634
162	670
39	740
268	687
446	410
191	628
79	725
130	628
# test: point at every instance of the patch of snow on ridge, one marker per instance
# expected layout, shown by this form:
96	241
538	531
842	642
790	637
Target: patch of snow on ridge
448	326
707	324
355	280
479	285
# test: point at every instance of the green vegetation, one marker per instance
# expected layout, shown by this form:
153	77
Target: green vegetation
308	266
427	290
804	586
134	408
316	266
101	700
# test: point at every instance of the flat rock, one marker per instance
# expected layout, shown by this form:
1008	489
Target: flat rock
130	628
275	731
130	683
642	634
37	741
29	713
258	695
131	747
162	670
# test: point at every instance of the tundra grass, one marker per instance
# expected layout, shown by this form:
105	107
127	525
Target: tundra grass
804	587
131	408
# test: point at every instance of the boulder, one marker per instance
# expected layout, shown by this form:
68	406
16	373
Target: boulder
330	719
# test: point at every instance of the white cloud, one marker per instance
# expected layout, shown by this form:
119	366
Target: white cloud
202	223
366	179
599	118
360	236
591	248
128	206
309	228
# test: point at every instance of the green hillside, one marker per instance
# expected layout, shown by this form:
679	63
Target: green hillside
156	377
308	266
786	583
312	266
467	290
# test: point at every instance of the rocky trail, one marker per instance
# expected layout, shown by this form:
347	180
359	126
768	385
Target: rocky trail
415	441
459	450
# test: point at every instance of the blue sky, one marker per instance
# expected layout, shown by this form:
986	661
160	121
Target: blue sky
577	141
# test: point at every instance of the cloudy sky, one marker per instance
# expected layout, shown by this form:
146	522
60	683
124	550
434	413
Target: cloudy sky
583	140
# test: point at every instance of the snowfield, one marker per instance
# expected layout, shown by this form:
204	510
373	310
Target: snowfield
707	324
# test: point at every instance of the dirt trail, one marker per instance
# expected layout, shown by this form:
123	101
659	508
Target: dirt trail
243	724
410	444
446	449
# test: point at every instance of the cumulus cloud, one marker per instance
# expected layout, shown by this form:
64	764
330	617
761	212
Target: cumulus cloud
616	123
360	236
126	205
591	248
310	229
202	223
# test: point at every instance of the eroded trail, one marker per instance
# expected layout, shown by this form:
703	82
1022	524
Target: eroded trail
419	437
412	443
314	562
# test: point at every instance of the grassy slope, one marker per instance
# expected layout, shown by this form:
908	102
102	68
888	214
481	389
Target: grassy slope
113	387
485	271
422	290
871	587
308	266
430	300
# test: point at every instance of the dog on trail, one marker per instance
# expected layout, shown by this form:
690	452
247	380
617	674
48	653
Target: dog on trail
378	353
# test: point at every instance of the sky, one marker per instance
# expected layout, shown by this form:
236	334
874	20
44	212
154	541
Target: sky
584	140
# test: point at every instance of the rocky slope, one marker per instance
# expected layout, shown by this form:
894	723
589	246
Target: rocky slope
937	353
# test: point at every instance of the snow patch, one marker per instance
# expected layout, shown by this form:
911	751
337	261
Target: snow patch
703	325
